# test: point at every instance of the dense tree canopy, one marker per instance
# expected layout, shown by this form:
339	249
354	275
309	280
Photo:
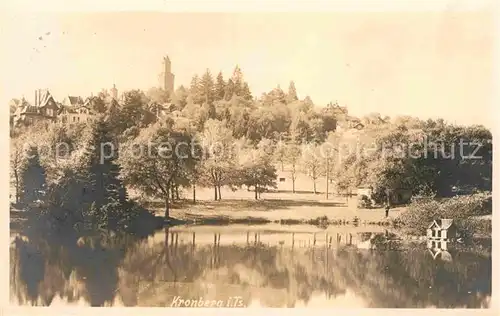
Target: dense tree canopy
278	129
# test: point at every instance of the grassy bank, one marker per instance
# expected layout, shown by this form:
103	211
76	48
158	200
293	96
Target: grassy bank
273	207
285	208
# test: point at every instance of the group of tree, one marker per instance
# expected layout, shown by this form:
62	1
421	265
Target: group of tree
426	157
80	185
239	140
174	157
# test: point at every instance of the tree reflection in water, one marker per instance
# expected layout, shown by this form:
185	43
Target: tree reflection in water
106	269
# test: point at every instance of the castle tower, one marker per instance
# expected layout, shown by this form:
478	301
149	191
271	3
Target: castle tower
114	92
167	76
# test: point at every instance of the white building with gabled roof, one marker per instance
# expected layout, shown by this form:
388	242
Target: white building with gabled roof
442	229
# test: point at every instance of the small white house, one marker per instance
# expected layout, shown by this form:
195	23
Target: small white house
442	229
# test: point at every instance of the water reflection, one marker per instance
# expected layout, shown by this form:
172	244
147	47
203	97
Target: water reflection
257	269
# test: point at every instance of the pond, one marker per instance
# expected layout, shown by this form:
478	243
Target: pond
247	266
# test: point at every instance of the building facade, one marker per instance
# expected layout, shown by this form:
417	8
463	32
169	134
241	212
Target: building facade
441	230
45	108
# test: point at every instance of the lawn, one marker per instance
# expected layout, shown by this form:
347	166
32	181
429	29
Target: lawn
272	206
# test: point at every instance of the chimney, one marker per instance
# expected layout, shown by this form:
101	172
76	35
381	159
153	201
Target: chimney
36	97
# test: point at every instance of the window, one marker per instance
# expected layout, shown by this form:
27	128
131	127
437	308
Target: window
282	179
74	119
439	233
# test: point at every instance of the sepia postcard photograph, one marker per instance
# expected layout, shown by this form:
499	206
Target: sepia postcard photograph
337	159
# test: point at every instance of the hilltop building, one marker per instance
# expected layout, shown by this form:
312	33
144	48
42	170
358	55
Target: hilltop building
167	77
72	101
75	109
72	109
77	113
114	92
45	108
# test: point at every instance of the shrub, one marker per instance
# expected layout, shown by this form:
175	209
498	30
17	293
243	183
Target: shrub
364	202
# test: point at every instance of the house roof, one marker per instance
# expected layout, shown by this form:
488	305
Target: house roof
358	124
29	109
381	120
88	101
74	100
18	103
66	109
444	223
21	105
45	98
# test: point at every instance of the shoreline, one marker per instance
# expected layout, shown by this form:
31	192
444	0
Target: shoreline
335	212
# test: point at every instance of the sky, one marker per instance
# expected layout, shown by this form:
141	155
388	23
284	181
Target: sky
426	64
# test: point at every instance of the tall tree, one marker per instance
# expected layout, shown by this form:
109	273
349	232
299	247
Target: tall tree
158	95
312	163
245	92
292	93
97	104
274	97
237	79
179	99
194	89
16	163
317	129
33	176
132	113
196	114
220	87
98	168
207	88
220	161
230	90
280	153
164	156
293	156
330	151
308	100
100	156
299	129
257	169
